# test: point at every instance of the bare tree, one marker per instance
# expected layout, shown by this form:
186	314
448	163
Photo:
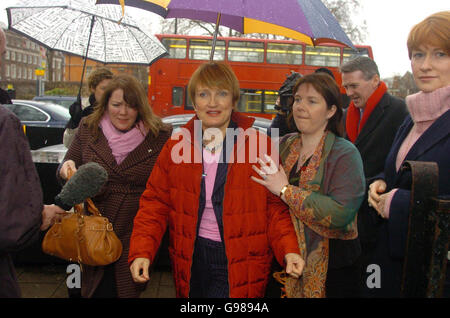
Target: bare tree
344	11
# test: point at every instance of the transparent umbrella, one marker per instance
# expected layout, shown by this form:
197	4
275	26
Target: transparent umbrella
98	32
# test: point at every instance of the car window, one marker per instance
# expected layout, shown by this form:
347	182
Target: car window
10	107
65	103
28	113
59	112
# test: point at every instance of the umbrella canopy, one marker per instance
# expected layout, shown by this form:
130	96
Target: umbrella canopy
82	28
306	20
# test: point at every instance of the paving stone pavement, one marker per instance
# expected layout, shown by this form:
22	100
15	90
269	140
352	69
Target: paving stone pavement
49	281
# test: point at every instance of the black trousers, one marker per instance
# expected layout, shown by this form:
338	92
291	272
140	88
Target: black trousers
344	282
209	272
107	287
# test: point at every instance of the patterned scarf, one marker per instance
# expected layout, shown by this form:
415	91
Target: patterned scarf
352	124
313	239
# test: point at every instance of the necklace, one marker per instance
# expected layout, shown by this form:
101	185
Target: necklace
212	148
303	158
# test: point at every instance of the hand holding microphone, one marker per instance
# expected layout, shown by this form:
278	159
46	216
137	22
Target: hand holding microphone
85	183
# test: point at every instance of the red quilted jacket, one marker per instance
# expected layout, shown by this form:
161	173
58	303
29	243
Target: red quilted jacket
255	222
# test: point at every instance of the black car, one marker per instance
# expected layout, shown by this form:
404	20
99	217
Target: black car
65	101
44	122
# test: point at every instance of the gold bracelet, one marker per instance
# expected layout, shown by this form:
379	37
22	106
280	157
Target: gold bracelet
283	190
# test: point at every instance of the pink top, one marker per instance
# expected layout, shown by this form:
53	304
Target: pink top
208	225
424	109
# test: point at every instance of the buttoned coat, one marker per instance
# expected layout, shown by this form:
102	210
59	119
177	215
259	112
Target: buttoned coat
118	200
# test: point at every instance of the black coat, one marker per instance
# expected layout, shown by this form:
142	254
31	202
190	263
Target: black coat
20	199
373	142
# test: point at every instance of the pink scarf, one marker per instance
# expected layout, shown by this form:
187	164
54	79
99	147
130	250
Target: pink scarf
122	143
424	109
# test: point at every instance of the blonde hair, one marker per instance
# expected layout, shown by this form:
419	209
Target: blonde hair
434	30
214	75
134	95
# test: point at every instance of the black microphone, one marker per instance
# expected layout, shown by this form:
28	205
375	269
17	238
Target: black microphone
85	183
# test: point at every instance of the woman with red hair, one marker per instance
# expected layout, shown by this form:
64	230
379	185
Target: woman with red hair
423	136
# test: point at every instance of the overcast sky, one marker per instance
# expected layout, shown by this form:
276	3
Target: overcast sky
388	25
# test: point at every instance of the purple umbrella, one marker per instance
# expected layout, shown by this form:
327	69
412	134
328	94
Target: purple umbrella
306	20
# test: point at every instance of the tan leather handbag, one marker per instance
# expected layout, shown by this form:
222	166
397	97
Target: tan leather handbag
86	239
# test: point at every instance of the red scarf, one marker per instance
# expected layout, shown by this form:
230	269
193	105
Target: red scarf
353	113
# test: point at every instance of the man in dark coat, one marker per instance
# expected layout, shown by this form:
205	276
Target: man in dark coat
22	213
371	122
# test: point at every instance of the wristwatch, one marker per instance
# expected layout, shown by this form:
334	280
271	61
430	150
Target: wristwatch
283	190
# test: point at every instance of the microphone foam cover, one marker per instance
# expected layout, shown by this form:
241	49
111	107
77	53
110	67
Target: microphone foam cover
85	183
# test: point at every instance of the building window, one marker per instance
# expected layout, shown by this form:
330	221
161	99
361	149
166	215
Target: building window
13	71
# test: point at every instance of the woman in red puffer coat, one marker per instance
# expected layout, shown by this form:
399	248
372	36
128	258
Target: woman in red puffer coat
224	228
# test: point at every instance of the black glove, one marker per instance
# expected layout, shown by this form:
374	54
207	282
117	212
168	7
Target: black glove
75	114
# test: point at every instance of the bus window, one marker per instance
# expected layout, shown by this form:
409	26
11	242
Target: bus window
189	103
175	47
283	53
349	53
270	97
200	49
177	96
250	101
243	51
322	56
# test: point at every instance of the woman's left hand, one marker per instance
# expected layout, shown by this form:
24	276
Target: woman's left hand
379	206
294	264
273	177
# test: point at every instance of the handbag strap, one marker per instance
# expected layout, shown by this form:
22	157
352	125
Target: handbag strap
79	207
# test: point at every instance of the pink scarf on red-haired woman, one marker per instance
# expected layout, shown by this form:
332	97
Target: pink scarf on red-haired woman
122	143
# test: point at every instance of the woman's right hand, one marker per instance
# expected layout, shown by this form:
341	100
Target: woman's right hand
64	171
139	265
376	189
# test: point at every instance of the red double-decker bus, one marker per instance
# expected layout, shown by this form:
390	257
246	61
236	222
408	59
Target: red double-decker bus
260	65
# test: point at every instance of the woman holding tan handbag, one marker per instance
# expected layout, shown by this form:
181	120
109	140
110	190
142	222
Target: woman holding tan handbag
124	137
